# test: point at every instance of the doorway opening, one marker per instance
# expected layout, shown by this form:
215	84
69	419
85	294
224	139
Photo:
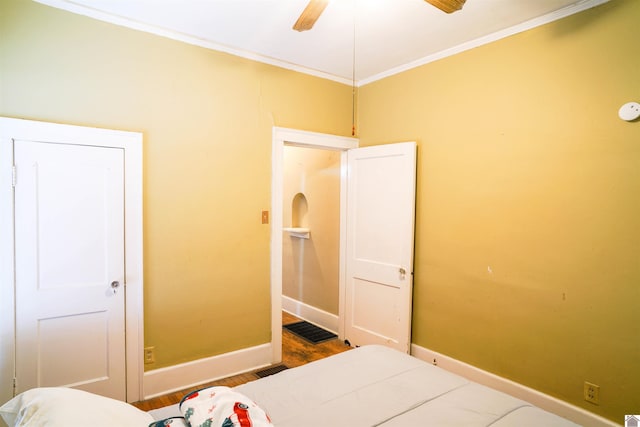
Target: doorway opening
283	137
311	234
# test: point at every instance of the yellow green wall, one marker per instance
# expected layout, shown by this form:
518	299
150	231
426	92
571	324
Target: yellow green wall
528	209
310	267
527	228
207	121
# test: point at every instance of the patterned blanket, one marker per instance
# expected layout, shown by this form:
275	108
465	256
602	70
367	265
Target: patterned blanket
217	407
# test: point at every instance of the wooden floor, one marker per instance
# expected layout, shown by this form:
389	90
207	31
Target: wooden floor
295	352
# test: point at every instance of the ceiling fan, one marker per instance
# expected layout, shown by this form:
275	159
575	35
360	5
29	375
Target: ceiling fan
314	9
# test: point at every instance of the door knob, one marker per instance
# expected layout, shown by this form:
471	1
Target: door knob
402	272
114	286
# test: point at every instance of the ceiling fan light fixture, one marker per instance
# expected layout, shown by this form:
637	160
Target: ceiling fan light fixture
448	6
310	15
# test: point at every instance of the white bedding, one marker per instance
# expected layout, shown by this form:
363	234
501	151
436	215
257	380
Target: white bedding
67	407
378	386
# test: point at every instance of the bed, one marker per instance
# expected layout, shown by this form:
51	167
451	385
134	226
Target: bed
367	386
378	386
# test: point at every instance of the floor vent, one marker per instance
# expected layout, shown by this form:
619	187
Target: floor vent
310	332
270	371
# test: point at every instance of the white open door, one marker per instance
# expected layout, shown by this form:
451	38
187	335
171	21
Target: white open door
380	242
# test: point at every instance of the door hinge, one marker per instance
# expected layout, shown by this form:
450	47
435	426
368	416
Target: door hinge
15	385
13	176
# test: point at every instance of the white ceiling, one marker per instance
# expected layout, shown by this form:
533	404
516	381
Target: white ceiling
390	35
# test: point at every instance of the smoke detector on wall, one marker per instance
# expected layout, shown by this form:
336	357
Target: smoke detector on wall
629	111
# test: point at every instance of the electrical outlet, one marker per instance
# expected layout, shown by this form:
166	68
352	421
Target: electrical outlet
149	355
265	217
592	393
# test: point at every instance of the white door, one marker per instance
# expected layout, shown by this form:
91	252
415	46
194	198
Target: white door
380	241
69	256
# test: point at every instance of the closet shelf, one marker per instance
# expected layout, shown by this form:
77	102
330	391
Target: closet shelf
299	232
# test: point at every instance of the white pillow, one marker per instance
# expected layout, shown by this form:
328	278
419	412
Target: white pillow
58	406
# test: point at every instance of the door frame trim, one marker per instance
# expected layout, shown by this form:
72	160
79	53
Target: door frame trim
299	138
131	142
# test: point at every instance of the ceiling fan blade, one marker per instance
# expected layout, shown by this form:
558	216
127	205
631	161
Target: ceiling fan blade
310	15
448	6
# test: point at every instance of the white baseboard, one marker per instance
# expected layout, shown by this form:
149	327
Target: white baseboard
311	314
178	377
541	400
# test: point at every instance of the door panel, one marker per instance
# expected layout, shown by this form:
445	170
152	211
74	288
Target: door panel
379	300
87	332
380	240
69	210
